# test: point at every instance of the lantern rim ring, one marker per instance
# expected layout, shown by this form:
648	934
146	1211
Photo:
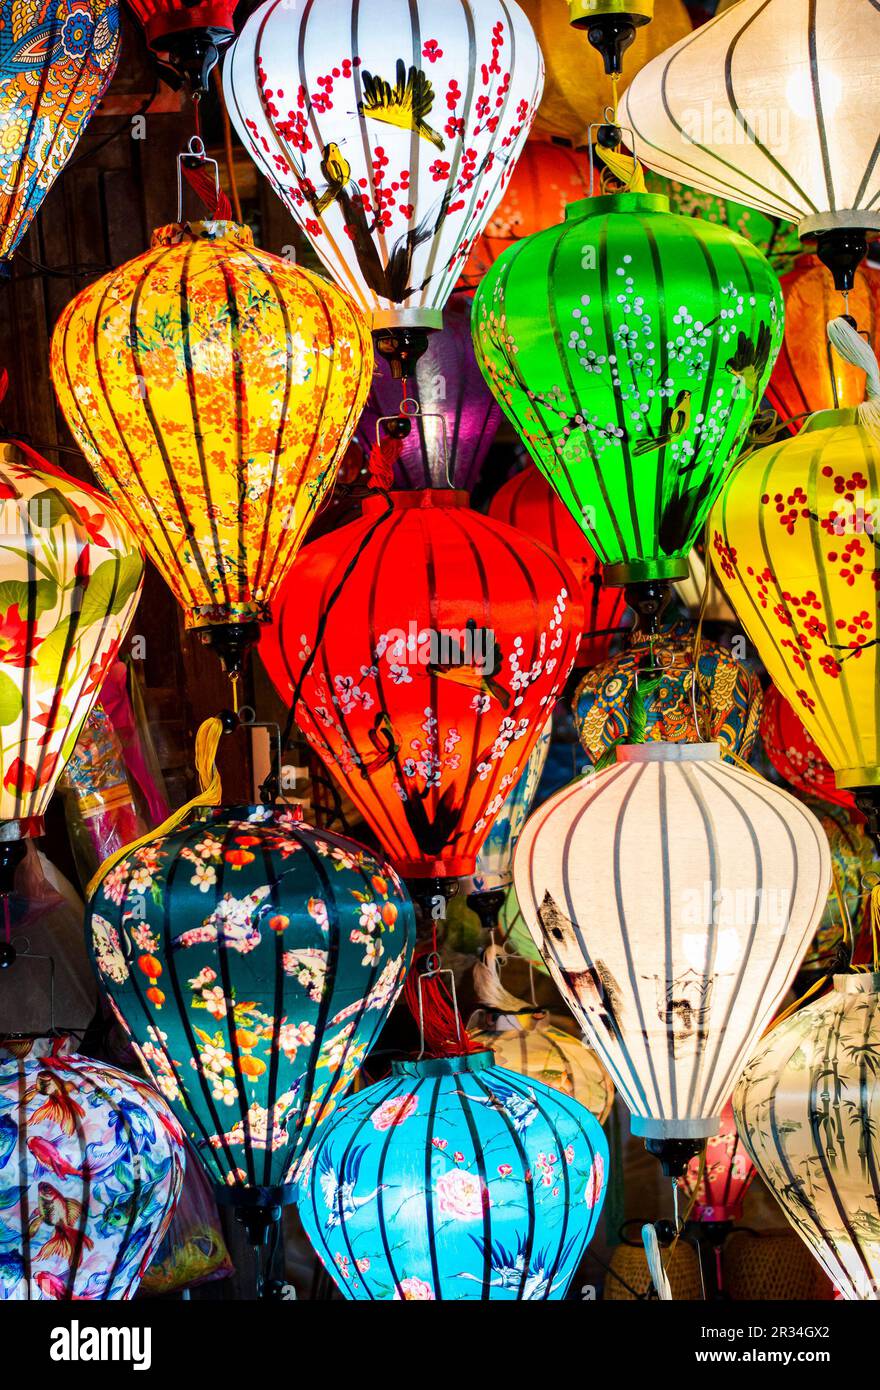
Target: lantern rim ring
444	1066
659	752
859	982
645	1127
615	202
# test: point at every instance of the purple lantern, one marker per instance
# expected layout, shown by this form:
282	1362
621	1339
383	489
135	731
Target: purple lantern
447	384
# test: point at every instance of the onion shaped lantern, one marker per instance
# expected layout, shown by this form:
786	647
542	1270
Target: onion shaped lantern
91	1166
425	684
795	755
807	1107
253	961
630	348
214	389
56	62
719	1191
187	35
455	1180
528	502
535	1047
671	897
388	129
70	579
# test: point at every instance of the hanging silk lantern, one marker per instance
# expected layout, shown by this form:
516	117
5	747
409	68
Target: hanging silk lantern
576	89
672	897
854	865
253	960
494	867
807	1107
534	1047
771	105
795	755
449	438
91	1166
630	348
646	692
436	667
719	1190
809	375
388	129
546	179
56	62
187	35
775	237
528	502
792	543
70	579
455	1179
213	388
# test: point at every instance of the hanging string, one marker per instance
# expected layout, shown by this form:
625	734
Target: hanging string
207	190
853	349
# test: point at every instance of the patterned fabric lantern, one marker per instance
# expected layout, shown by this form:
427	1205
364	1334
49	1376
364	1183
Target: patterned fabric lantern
253	960
672	897
634	403
809	375
213	388
436	668
455	1179
528	502
808	1108
447	444
70	578
388	128
56	62
854	863
188	34
653	680
534	1047
546	179
576	91
726	1178
795	755
775	237
792	543
494	867
91	1165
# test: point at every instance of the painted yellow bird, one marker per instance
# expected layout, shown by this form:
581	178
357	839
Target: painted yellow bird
337	171
406	104
675	420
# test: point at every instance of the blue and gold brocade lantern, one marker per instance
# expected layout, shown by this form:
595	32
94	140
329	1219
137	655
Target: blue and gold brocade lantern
455	1179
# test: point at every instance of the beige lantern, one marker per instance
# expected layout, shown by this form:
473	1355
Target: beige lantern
672	897
808	1110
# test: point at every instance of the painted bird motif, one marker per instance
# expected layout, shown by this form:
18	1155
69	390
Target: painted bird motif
462	669
64	1215
337	1187
520	1109
405	105
59	1108
527	1273
336	171
674	422
750	360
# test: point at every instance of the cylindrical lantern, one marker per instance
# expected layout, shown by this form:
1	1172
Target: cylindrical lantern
795	755
494	867
809	375
534	1047
672	897
450	437
214	388
455	1179
727	1173
436	667
253	960
70	579
528	502
630	348
91	1165
58	60
808	1108
388	129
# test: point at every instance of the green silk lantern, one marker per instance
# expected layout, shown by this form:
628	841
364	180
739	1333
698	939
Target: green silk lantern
630	347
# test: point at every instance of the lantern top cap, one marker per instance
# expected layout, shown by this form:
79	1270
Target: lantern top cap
669	753
860	982
216	229
423	499
616	202
444	1066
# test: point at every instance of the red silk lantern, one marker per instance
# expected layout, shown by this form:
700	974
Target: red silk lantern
436	667
809	375
528	502
795	755
727	1175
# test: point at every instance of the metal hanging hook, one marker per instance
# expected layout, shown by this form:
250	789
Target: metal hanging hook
196	152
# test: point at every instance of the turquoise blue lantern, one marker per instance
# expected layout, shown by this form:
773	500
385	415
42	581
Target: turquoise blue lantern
454	1179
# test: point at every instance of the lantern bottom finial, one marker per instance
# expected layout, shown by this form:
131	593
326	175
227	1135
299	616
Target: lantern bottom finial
487	906
611	26
674	1154
841	251
649	601
401	348
231	642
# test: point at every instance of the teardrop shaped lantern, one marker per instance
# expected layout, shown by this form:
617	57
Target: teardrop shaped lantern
807	1107
535	1047
435	667
672	897
792	541
214	388
455	1179
253	960
56	62
388	128
809	375
795	755
630	349
719	1191
774	103
91	1166
70	579
528	502
187	35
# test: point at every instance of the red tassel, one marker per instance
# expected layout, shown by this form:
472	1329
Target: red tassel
444	1032
383	457
203	184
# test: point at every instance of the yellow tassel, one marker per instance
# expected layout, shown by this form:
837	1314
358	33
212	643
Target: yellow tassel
207	743
626	170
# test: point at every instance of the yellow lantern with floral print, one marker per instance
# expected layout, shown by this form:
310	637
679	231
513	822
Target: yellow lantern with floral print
214	388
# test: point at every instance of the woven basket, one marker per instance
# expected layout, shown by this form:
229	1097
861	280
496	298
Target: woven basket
628	1261
772	1265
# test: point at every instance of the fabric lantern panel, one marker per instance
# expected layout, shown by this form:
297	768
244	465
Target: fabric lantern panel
727	1174
775	237
494	867
455	1180
537	1049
